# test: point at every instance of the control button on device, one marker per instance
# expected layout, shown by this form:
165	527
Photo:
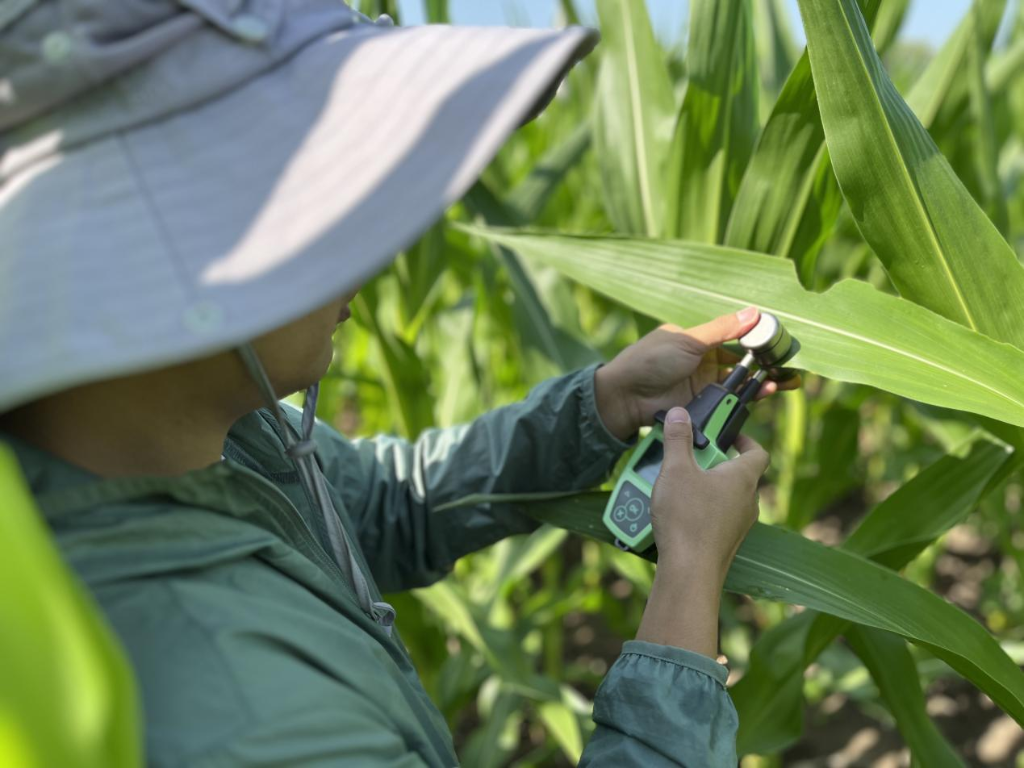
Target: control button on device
619	514
632	527
634	508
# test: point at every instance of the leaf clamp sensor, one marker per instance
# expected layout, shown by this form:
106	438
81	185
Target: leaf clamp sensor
717	414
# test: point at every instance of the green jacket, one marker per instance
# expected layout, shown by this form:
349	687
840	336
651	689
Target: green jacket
248	644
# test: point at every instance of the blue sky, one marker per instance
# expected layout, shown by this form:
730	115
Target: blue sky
929	21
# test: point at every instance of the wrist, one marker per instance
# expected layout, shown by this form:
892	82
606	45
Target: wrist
612	404
693	574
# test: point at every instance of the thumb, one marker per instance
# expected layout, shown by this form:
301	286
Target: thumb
678	433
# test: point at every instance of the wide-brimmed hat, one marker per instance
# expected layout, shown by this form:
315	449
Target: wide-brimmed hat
180	176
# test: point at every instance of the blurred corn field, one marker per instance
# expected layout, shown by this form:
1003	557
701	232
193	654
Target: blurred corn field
868	192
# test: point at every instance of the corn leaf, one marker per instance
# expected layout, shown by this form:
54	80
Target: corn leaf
888	22
773	41
769	697
894	672
936	243
717	123
562	723
551	348
986	151
781	565
633	122
941	93
852	332
528	198
788	200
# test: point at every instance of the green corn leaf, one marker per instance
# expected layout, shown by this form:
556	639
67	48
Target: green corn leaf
769	697
68	695
562	723
924	508
776	564
936	243
528	198
852	332
405	376
986	151
773	41
894	672
888	22
788	200
437	11
941	93
633	122
717	123
551	347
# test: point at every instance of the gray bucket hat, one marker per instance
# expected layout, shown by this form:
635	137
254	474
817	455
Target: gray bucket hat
180	176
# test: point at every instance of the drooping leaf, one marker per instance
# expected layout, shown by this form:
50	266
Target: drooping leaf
717	123
895	531
633	121
936	243
852	332
776	564
894	672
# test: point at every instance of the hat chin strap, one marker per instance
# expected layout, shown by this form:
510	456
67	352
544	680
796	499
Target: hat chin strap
301	450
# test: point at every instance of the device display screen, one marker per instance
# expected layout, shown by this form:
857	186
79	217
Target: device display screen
650	463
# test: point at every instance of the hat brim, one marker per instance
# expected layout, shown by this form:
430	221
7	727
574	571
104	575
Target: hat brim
207	228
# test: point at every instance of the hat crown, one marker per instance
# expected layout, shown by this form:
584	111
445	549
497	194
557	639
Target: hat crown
54	50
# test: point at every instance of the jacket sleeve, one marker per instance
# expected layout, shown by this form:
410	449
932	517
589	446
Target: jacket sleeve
395	491
663	706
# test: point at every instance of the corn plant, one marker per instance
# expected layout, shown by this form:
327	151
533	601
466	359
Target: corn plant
875	218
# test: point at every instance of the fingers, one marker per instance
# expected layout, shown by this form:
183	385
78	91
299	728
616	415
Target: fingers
725	328
752	457
678	434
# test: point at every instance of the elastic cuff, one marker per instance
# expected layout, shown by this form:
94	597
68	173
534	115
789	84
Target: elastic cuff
593	426
679	656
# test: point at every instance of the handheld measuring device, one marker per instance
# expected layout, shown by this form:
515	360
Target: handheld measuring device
717	415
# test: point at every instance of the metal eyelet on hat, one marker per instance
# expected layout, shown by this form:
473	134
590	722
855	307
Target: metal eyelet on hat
250	28
56	47
203	317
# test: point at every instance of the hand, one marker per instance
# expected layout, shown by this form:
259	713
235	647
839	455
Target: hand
669	367
700	518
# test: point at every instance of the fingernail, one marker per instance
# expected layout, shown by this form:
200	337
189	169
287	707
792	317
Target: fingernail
746	315
677	416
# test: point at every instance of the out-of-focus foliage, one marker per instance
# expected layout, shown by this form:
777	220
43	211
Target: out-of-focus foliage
67	697
878	203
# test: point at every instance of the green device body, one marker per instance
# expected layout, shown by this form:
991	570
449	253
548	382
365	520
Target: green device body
717	415
628	513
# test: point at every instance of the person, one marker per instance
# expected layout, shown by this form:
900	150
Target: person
190	195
